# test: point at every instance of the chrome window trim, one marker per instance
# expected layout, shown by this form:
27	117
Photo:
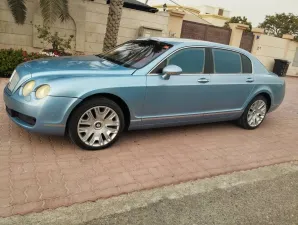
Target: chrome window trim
211	47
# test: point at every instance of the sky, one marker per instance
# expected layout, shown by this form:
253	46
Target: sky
254	10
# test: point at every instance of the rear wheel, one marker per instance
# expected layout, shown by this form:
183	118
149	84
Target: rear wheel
96	124
254	113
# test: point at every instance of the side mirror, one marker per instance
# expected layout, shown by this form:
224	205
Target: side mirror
171	70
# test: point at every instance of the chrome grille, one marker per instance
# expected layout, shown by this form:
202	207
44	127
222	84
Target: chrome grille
13	81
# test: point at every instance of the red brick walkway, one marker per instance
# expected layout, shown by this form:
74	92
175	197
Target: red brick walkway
41	172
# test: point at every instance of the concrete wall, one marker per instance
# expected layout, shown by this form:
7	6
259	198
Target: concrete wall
267	48
131	21
13	35
88	24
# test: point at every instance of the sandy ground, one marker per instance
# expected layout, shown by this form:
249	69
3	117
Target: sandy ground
267	195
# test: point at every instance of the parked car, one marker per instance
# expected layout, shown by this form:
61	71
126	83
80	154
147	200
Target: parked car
144	83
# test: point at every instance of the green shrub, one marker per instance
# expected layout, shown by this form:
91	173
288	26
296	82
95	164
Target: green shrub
59	44
9	59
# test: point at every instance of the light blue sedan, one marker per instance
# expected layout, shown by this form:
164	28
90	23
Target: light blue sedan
145	83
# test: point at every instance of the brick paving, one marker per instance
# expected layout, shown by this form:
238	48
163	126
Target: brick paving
45	172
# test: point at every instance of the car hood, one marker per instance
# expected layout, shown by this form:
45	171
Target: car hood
74	65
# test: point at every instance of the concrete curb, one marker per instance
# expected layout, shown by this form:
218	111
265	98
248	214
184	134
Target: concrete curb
86	212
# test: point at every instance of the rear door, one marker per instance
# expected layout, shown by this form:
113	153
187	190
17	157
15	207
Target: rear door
232	81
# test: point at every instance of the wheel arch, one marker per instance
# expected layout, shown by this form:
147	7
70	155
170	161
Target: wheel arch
268	98
122	104
264	93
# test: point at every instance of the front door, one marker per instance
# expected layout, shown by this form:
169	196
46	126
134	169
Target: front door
182	98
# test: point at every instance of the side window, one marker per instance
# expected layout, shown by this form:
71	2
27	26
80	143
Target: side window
226	61
159	68
190	60
246	64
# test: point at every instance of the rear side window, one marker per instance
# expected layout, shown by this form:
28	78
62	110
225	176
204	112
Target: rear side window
226	61
246	64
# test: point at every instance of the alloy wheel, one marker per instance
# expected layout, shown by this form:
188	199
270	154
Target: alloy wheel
256	113
98	126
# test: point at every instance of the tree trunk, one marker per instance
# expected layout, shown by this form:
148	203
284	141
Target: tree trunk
114	18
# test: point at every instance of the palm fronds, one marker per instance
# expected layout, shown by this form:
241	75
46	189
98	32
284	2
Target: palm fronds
18	10
51	10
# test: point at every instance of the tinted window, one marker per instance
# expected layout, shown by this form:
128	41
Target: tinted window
136	54
226	61
246	64
190	60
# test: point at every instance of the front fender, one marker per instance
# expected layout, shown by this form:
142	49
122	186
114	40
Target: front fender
131	89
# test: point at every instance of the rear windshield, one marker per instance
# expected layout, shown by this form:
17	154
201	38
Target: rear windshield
136	54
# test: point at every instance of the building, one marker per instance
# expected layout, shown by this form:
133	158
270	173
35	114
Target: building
202	14
215	15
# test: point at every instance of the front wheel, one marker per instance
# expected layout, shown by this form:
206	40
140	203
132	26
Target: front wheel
96	124
254	113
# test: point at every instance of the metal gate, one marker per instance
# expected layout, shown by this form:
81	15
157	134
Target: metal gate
247	41
205	32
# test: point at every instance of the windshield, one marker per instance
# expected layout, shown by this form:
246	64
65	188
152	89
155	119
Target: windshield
136	54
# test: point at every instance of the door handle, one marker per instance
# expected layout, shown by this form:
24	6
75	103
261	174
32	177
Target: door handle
203	80
249	80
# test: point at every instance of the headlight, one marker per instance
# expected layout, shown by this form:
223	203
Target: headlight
42	91
28	88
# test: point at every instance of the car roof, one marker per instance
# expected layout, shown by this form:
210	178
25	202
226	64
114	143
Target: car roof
191	42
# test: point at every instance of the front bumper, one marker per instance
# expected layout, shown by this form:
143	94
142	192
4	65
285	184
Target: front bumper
50	113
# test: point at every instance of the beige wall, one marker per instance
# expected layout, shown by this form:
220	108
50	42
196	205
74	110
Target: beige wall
88	24
175	24
13	35
267	48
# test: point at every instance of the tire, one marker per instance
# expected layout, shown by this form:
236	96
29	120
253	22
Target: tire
100	116
244	120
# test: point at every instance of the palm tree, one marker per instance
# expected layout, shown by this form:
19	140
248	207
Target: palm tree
51	10
114	18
